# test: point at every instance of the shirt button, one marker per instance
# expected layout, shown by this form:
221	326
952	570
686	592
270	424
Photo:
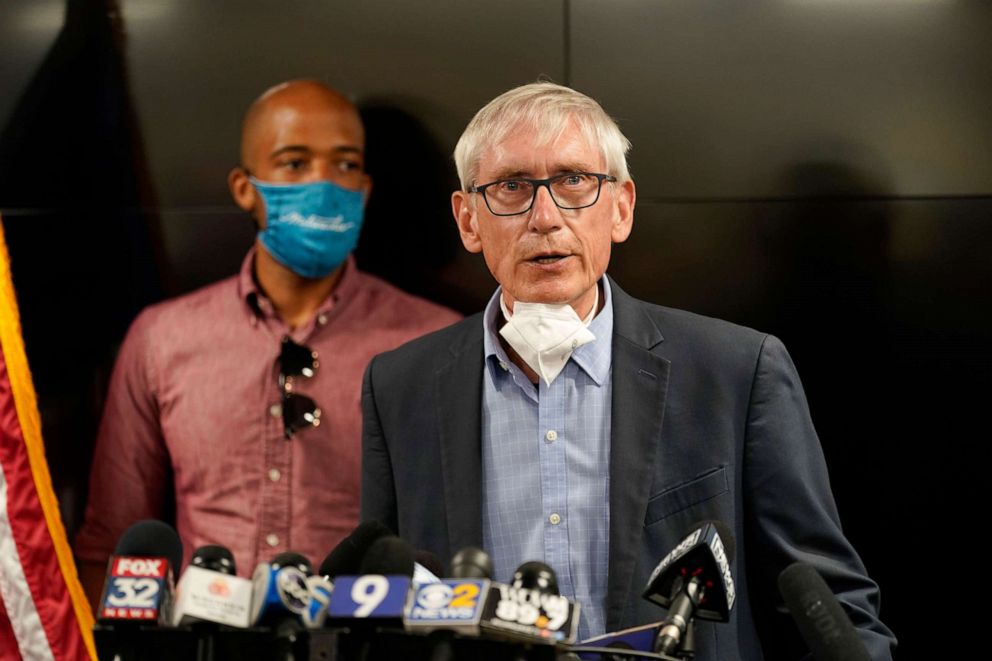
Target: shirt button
273	540
322	319
503	366
551	436
555	519
274	474
575	343
275	410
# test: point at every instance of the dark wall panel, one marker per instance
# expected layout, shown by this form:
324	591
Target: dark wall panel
818	169
719	97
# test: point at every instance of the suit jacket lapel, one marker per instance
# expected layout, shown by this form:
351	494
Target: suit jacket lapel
458	393
640	383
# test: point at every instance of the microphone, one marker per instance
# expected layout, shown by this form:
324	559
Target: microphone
693	581
471	562
531	608
453	604
427	568
320	589
822	622
280	590
535	575
139	586
210	590
346	558
379	593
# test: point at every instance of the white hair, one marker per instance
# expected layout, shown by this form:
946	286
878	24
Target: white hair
548	109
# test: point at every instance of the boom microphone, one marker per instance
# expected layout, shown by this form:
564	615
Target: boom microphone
693	581
822	622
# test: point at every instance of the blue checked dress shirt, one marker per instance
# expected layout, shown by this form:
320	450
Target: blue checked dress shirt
546	465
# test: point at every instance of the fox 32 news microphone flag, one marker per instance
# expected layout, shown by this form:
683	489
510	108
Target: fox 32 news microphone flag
43	612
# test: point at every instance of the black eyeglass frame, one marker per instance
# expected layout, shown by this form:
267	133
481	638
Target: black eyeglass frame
298	411
537	183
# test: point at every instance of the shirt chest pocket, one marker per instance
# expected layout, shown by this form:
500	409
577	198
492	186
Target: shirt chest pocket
675	499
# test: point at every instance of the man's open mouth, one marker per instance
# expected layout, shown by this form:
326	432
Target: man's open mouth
548	259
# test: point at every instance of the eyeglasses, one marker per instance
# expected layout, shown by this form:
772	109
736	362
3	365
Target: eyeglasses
512	197
298	411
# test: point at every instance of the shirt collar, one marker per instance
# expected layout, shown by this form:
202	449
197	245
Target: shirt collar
259	305
593	358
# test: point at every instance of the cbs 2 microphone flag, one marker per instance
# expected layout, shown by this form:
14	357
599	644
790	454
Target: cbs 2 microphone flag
43	611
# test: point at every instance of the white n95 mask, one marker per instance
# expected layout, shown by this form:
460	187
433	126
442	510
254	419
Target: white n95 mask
544	335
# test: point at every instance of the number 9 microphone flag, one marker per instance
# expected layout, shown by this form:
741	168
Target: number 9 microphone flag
43	612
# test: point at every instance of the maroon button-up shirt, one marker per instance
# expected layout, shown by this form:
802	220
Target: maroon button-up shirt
194	406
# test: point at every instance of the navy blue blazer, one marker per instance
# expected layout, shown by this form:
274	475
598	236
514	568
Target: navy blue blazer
709	421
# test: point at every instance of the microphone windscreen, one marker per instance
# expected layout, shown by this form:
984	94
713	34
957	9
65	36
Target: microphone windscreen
346	558
471	562
430	562
536	575
215	558
388	556
822	622
293	559
152	538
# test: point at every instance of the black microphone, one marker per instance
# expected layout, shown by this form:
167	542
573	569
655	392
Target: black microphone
452	605
822	622
471	562
693	581
211	592
531	608
281	592
427	567
140	575
346	558
536	575
139	589
389	556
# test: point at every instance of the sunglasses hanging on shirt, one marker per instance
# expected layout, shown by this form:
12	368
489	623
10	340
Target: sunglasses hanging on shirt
298	411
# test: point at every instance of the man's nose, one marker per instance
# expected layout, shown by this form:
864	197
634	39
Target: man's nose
321	170
544	214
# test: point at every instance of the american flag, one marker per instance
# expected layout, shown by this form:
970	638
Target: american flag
43	612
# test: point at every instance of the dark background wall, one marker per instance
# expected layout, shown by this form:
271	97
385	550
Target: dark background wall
819	169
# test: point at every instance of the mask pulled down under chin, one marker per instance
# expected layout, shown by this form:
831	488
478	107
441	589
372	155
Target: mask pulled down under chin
544	335
310	228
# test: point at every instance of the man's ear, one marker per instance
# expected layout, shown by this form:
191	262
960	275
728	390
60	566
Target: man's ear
242	191
463	207
626	195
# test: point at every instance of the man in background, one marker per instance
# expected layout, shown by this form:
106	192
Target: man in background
574	424
237	406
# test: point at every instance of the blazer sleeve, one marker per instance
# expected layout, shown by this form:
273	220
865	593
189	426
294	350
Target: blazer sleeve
378	495
791	515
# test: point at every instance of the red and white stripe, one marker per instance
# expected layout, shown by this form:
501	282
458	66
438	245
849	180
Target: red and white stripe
43	613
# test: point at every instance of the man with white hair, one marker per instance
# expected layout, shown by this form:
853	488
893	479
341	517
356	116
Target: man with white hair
574	424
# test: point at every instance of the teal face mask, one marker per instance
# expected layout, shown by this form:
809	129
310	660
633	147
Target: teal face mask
310	228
